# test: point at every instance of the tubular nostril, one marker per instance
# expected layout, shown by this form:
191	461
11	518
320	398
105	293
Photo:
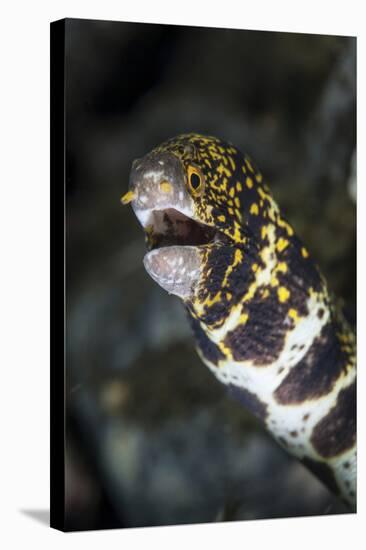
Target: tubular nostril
128	197
165	187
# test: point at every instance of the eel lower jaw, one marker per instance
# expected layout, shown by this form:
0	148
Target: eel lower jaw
176	242
176	269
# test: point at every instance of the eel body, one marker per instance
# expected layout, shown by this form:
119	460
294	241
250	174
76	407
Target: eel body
264	321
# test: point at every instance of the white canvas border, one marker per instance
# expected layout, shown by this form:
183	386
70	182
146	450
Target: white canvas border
25	268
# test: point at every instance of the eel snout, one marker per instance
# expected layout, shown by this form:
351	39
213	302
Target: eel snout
157	182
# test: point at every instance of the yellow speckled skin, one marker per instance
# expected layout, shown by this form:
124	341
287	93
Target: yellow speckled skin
262	316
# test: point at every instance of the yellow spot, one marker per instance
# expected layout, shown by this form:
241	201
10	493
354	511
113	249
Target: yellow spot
243	318
347	349
237	201
265	293
226	351
128	197
229	295
247	162
230	202
283	294
209	209
165	187
222	170
239	186
282	244
259	178
282	266
264	231
211	301
274	281
254	209
232	191
249	182
272	215
254	267
238	236
293	314
231	211
263	194
304	252
232	163
238	257
238	214
285	225
221	218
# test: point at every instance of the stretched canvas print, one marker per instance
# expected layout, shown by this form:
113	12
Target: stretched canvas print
203	192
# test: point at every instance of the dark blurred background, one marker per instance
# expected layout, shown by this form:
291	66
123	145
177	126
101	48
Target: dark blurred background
152	437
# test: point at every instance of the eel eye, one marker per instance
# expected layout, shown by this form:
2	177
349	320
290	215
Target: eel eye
195	180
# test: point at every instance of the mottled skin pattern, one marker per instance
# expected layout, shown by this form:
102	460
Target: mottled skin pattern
263	319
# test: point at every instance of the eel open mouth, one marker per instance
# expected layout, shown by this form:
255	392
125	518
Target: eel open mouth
176	243
170	227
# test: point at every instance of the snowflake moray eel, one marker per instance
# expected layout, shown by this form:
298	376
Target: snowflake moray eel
263	318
